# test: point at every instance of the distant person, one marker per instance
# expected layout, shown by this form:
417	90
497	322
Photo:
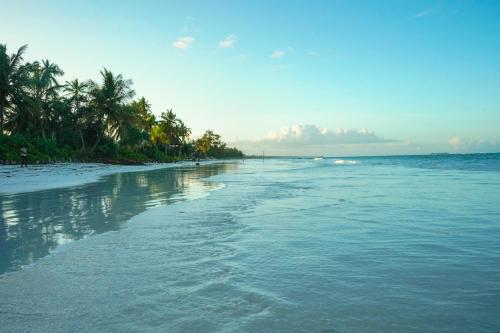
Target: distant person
24	157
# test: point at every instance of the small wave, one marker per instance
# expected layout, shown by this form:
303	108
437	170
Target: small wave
318	158
345	162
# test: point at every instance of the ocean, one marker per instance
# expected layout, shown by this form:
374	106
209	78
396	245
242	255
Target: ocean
359	244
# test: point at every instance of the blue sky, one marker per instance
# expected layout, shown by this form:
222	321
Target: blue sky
290	77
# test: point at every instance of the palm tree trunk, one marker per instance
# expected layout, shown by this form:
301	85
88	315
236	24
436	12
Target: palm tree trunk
180	147
100	134
82	140
42	123
95	144
99	137
43	129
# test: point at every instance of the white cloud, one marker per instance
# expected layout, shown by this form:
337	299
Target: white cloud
316	135
183	43
312	53
277	54
460	145
315	140
228	42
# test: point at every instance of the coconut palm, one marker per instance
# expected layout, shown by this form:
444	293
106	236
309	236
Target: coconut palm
169	124
183	132
108	100
84	114
146	117
128	120
44	89
157	136
77	93
169	121
50	72
13	79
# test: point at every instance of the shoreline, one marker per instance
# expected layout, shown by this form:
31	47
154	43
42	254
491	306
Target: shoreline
39	223
16	180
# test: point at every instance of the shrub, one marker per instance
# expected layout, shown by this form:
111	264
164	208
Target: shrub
108	148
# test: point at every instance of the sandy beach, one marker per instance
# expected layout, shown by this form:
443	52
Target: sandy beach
14	179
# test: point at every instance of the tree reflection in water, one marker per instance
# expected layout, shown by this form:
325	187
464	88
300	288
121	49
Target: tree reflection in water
33	224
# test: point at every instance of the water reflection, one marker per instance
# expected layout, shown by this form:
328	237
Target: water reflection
33	224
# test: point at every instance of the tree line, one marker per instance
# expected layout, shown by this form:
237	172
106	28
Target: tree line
88	120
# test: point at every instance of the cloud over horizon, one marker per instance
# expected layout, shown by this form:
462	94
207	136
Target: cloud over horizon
316	135
311	139
314	140
460	145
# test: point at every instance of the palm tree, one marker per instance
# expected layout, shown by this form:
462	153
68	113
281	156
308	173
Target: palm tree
157	136
80	115
13	79
146	117
77	93
168	124
108	101
128	119
184	132
50	72
45	90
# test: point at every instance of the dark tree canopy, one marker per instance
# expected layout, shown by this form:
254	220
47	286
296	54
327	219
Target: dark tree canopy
87	120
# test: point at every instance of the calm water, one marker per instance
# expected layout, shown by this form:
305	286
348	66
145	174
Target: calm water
407	244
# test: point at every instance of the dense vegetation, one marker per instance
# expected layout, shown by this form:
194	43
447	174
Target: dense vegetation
87	120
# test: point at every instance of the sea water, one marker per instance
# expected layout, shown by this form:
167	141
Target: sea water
392	244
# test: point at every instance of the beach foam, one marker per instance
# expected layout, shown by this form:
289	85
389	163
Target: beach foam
345	162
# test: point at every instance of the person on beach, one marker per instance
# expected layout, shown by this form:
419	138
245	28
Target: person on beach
24	157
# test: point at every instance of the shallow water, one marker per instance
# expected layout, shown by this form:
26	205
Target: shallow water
34	224
408	244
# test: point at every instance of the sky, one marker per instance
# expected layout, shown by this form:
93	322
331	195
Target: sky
331	78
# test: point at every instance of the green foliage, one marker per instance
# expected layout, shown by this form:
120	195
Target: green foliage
230	153
87	120
211	145
10	147
13	80
132	155
39	150
107	148
135	138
